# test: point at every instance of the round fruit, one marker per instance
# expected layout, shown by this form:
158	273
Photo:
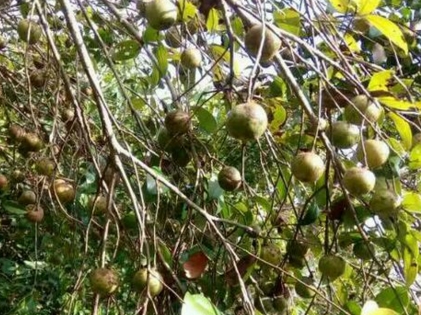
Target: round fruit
160	14
173	37
247	122
100	204
64	191
385	203
37	79
369	110
17	176
151	280
307	167
376	152
29	31
332	266
4	182
359	181
229	178
281	305
191	58
297	262
27	197
264	304
68	115
168	142
253	40
31	142
297	248
177	122
103	281
34	214
303	290
45	167
16	133
363	251
344	135
271	254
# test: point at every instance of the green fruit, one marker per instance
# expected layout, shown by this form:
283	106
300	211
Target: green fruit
16	133
168	142
181	157
303	290
281	305
191	58
38	79
297	248
27	197
173	37
4	182
34	214
229	178
97	204
151	280
247	122
363	251
64	191
253	40
177	122
31	142
307	167
264	304
103	281
361	103
29	29
297	262
385	203
344	135
45	167
332	266
160	14
376	152
271	253
359	181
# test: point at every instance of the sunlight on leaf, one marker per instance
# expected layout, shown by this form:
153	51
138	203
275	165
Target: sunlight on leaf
404	130
288	20
395	103
380	80
415	157
198	304
367	6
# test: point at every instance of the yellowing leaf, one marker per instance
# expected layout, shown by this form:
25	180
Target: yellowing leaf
187	10
412	202
367	6
395	103
212	21
382	311
388	29
361	7
415	158
351	43
404	130
380	80
344	6
221	53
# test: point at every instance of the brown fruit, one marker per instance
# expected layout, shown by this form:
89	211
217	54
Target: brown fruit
17	176
104	281
45	167
4	182
359	181
27	197
303	290
363	251
64	191
376	151
247	122
191	58
31	142
229	178
16	133
177	122
29	31
253	40
173	37
307	167
98	204
160	14
151	280
385	203
67	115
344	135
332	266
370	111
34	214
38	79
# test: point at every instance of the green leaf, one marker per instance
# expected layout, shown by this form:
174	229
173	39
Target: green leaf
367	6
188	10
344	6
138	103
410	267
150	35
288	20
311	214
166	253
212	21
392	298
214	190
13	207
412	202
161	55
380	80
415	158
389	29
404	130
395	103
198	304
126	50
222	53
206	120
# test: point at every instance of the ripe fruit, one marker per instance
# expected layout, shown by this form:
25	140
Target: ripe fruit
27	197
173	37
359	181
4	182
253	40
376	152
229	178
45	167
369	109
151	280
31	142
177	122
64	191
160	14
303	290
363	251
271	254
29	29
332	266
307	167
247	122
344	135
16	133
100	204
103	281
168	142
34	214
191	58
385	203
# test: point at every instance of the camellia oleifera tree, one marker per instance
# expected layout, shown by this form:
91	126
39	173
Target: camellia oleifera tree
210	157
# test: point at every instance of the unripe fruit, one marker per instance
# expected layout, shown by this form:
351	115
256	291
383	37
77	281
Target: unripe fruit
363	251
160	14
31	142
281	305
303	290
271	43
247	122
191	58
177	122
332	266
45	167
297	248
97	204
38	79
17	176
64	191
4	182
103	281
16	133
271	253
27	197
168	142
370	110
385	203
359	181
344	135
229	178
377	152
29	29
151	280
34	214
307	167
173	37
